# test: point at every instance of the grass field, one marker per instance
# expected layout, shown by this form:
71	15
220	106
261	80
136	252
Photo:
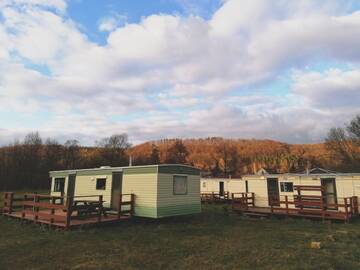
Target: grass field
215	239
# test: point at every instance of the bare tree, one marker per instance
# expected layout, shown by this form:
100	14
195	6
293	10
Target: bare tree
344	143
114	149
71	154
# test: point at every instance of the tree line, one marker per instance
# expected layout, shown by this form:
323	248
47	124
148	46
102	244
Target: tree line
26	164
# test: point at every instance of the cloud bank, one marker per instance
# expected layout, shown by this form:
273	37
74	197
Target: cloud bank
181	76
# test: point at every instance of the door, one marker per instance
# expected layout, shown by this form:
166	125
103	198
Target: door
273	191
330	196
116	188
221	188
71	185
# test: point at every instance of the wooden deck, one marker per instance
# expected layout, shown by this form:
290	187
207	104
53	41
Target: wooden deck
66	212
308	206
31	217
278	211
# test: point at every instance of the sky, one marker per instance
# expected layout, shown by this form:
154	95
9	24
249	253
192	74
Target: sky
87	69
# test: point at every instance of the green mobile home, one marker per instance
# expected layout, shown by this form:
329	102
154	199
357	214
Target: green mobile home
160	190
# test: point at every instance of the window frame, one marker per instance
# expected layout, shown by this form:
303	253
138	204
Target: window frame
186	184
56	180
284	187
101	179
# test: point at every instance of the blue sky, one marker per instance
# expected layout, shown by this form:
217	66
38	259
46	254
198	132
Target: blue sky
282	70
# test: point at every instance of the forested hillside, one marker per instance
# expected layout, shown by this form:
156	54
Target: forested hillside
231	157
25	164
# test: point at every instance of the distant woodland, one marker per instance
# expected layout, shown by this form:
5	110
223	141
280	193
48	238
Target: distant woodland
25	164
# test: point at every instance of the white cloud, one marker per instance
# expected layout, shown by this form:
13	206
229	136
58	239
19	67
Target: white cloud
58	5
183	76
110	23
332	90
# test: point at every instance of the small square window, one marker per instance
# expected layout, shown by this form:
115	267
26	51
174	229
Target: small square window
286	187
59	184
180	185
101	183
204	184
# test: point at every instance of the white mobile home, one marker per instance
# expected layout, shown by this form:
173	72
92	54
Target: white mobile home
336	186
221	185
160	190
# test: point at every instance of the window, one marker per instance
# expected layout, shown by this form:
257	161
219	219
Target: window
101	183
286	187
180	185
59	184
204	184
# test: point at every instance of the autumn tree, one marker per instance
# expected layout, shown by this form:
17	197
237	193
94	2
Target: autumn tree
344	143
155	155
177	153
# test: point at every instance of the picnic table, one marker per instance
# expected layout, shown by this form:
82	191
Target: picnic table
88	207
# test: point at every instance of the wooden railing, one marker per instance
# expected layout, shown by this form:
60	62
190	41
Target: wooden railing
126	200
316	205
62	209
210	197
242	200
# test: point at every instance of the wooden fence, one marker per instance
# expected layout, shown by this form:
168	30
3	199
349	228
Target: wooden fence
65	211
299	205
215	197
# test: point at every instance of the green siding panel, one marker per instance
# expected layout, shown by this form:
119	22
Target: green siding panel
140	170
145	211
95	172
180	209
178	169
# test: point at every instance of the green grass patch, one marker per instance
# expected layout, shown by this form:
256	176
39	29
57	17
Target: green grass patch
215	239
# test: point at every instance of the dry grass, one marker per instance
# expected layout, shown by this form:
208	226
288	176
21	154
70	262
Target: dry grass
214	239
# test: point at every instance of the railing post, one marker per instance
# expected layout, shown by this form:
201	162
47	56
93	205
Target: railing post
299	198
10	201
232	201
52	211
253	198
23	206
68	212
100	207
287	204
246	202
35	208
322	207
119	206
346	210
355	205
132	210
351	204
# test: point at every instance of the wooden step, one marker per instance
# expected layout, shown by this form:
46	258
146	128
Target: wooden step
252	214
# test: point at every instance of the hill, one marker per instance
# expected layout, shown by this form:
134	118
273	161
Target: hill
235	157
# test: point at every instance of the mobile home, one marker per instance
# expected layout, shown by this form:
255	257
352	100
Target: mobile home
272	187
221	185
160	190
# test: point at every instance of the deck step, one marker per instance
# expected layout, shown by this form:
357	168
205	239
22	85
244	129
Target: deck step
255	214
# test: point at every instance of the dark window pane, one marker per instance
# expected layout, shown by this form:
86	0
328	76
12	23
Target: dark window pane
59	185
101	183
